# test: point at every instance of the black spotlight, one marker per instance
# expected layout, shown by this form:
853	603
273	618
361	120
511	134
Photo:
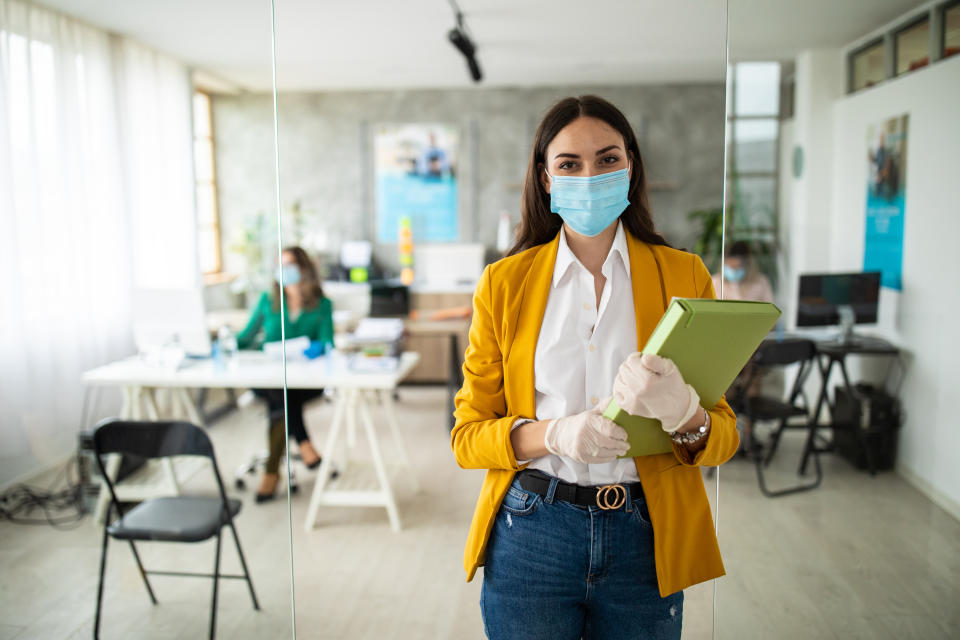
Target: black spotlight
464	45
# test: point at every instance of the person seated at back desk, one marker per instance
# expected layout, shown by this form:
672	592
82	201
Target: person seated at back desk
308	313
742	280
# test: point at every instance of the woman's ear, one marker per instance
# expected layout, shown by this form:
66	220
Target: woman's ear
544	178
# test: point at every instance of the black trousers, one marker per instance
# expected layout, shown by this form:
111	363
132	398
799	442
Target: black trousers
296	398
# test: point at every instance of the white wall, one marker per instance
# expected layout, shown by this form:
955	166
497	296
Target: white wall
826	228
922	318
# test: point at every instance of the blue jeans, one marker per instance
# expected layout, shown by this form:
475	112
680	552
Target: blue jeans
555	570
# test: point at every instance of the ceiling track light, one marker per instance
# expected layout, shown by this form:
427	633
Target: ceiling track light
459	38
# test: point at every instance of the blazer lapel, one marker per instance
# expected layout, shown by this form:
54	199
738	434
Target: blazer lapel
649	304
649	296
521	392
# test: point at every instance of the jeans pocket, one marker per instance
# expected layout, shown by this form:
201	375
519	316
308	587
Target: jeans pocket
641	515
518	502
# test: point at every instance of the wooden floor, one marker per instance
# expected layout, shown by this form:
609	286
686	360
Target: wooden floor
860	557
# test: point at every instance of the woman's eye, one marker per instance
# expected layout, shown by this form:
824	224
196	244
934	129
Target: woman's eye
566	166
611	160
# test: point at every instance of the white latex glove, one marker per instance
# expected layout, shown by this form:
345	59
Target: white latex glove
652	387
586	437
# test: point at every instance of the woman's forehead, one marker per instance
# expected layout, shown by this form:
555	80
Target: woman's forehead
585	133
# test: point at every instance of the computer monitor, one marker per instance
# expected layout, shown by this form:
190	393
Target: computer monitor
164	317
844	299
389	300
356	254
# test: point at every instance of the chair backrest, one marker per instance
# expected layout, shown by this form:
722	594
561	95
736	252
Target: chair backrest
778	353
151	439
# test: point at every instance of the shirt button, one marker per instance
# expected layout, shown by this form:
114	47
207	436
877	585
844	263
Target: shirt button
586	305
592	348
594	400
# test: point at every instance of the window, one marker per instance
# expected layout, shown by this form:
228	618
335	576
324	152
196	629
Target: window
208	223
951	30
753	150
866	66
912	46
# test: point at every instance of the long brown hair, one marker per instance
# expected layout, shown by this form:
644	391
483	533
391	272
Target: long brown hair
539	225
310	290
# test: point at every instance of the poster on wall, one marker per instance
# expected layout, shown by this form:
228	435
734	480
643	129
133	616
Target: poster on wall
415	174
886	187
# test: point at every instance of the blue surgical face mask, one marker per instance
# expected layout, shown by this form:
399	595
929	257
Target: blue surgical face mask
734	274
591	204
288	274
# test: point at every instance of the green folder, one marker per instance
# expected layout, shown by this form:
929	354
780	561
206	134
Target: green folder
710	341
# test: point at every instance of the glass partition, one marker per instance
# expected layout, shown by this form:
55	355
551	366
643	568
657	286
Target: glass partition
132	255
405	138
839	515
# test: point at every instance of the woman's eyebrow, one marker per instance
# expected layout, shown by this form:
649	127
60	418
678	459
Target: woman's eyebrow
605	149
565	155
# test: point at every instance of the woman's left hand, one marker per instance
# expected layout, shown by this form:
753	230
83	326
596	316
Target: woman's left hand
651	386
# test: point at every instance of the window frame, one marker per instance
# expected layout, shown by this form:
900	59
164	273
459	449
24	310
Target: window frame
733	175
955	4
214	226
851	60
895	43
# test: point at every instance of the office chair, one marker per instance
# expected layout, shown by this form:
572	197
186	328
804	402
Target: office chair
769	355
168	519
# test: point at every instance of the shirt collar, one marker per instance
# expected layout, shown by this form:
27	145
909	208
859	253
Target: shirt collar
566	259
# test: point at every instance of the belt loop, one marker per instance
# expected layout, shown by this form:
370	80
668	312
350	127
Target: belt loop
629	501
551	490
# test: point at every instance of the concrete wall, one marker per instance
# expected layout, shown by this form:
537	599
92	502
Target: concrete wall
325	153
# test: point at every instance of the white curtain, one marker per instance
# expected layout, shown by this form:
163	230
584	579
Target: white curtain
94	163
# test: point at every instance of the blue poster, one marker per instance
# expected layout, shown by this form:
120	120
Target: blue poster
886	187
416	177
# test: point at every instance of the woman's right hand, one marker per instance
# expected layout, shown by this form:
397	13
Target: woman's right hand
586	437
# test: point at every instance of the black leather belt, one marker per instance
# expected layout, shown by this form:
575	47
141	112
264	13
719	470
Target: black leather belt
610	496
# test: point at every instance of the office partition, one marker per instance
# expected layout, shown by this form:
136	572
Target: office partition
837	519
127	294
407	129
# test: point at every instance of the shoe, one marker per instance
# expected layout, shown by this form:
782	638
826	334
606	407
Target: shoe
265	497
316	463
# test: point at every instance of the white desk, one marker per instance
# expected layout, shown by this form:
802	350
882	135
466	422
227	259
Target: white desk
352	392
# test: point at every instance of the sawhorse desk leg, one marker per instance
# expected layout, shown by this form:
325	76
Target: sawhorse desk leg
352	405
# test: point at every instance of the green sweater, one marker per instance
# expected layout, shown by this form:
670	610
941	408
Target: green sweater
315	323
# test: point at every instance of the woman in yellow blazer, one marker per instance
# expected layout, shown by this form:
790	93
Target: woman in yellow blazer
574	541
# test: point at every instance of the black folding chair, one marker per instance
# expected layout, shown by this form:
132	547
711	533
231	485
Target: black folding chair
169	519
772	354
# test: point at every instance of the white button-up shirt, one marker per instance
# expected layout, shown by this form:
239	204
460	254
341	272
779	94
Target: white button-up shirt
580	349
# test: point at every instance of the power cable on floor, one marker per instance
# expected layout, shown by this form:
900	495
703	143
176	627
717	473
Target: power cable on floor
61	506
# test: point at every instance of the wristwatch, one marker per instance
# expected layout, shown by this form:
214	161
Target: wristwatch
695	435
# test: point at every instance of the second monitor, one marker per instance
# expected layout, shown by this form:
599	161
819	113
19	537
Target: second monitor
844	299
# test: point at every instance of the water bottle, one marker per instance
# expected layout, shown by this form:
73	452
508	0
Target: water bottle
227	347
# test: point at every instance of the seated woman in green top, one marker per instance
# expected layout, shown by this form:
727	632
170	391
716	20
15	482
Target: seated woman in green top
308	314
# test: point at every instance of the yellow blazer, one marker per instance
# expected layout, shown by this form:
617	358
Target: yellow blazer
498	389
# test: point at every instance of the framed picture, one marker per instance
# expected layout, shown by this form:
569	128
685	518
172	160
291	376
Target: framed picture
415	177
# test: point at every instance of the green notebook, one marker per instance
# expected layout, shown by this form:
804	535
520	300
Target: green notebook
710	341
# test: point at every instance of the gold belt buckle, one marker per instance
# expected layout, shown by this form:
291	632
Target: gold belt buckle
611	496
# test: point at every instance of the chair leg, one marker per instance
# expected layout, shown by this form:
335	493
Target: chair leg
216	582
243	563
143	573
774	442
103	566
758	463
